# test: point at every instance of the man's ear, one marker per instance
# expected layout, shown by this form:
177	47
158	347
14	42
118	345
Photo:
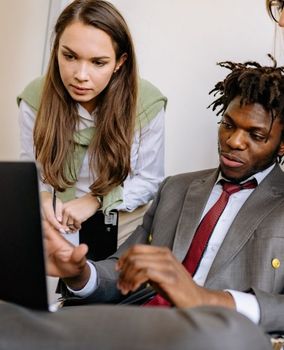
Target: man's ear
281	149
120	62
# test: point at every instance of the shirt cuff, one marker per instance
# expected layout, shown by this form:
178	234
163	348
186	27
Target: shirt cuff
247	305
45	187
90	287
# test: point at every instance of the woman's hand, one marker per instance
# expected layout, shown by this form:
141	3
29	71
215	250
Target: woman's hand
79	210
54	218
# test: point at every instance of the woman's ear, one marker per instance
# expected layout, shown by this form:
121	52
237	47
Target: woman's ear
120	62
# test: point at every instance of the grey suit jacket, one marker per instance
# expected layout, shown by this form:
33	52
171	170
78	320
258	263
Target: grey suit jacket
244	261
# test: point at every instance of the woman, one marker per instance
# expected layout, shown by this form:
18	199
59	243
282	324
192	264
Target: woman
94	128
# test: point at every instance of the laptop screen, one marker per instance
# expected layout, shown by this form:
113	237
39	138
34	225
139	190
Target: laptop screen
22	270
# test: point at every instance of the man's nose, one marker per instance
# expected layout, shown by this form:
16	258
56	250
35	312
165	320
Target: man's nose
237	140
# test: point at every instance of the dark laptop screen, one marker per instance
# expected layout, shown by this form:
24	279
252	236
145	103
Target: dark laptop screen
22	271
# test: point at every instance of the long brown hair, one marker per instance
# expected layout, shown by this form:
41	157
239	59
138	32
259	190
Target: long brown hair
57	119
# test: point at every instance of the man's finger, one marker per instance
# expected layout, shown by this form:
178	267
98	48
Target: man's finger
79	253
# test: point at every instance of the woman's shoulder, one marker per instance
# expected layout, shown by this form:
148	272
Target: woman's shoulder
150	101
32	93
147	92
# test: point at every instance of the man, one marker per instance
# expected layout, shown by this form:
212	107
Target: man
241	266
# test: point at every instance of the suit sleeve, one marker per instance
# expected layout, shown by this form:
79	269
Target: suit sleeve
106	274
271	310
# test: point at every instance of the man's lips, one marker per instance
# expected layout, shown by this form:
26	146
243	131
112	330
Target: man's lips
230	160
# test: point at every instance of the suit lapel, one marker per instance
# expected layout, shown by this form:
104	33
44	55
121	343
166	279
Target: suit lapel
194	203
267	196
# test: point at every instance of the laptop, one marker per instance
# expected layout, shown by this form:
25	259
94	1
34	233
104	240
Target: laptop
22	266
22	272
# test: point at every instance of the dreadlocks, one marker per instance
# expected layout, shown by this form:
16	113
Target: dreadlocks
253	84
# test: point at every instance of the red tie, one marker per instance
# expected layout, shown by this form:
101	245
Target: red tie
204	231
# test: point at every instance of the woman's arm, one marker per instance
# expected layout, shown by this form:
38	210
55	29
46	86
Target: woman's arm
26	121
147	162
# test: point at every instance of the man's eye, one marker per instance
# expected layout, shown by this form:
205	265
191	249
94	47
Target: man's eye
280	5
277	4
225	124
258	137
275	7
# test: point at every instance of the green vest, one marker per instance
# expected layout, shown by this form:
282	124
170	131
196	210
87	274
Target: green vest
150	102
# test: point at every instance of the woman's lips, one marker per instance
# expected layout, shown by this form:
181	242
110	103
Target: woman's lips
231	161
79	90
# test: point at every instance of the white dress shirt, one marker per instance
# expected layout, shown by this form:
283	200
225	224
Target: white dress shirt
147	157
245	303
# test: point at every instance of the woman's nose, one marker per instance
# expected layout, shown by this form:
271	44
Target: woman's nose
82	72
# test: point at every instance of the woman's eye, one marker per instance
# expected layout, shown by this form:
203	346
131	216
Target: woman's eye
99	63
68	56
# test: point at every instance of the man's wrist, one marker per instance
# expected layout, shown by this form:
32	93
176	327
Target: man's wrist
221	298
78	282
91	285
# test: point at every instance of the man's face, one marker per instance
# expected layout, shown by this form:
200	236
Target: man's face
246	143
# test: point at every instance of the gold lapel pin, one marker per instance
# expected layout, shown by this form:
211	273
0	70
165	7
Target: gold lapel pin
275	263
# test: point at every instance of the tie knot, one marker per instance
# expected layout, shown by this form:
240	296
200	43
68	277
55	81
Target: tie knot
231	188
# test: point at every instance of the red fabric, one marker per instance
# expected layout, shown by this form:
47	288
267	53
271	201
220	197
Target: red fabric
208	223
204	231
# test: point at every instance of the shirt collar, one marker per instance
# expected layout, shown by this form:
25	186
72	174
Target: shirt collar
83	113
258	176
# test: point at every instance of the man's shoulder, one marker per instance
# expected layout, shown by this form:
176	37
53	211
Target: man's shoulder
184	179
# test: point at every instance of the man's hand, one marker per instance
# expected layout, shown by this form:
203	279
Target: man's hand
65	260
158	266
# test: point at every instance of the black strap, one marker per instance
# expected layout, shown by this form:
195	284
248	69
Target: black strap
99	232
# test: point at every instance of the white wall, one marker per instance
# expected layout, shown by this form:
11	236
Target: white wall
22	32
178	44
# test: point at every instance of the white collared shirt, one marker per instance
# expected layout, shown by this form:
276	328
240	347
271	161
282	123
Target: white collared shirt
147	157
245	303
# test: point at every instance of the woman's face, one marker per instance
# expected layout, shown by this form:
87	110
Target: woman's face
87	61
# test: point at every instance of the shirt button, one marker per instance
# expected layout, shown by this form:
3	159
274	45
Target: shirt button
275	263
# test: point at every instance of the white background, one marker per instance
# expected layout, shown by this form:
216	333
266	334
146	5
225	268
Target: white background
178	44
